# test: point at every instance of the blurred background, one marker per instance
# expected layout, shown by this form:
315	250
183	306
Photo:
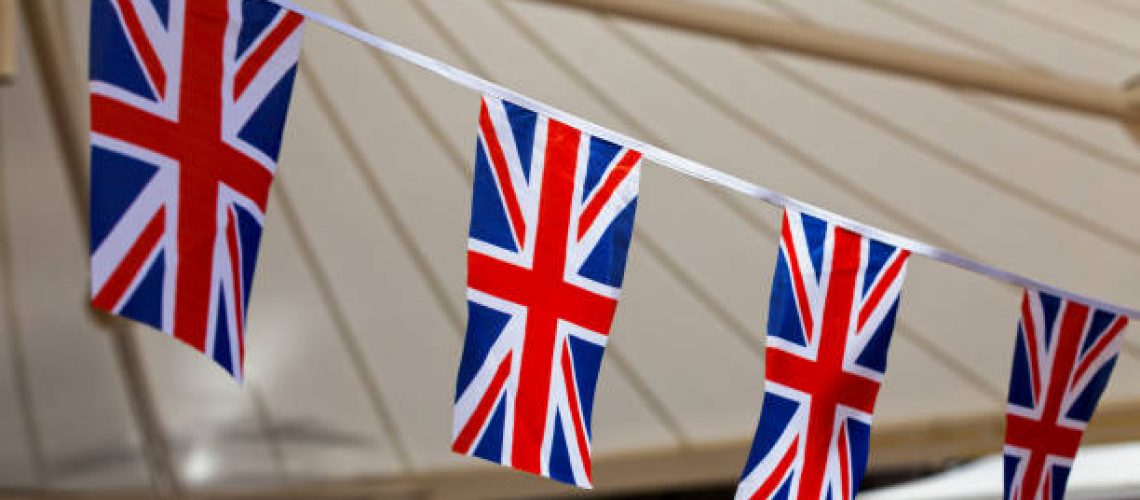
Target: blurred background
357	313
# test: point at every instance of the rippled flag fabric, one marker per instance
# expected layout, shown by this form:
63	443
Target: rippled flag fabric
831	314
188	102
1062	360
551	219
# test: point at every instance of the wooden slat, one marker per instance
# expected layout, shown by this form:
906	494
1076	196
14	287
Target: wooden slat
1133	124
869	52
928	445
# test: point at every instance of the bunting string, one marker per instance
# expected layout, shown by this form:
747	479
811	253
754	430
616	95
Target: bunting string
693	168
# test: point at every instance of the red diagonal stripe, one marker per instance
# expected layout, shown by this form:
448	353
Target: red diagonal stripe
884	284
239	286
466	437
844	462
1101	344
575	410
502	173
143	46
778	474
603	194
124	275
1030	329
797	278
264	51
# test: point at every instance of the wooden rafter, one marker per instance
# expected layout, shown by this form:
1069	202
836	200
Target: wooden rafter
929	444
756	29
1133	122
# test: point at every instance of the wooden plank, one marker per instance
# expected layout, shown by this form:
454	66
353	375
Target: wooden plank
920	446
927	446
1133	124
1133	127
870	52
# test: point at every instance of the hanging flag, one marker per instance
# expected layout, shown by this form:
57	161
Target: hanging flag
830	318
551	219
1063	357
188	102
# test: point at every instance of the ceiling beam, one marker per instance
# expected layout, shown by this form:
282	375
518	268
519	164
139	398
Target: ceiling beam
928	445
870	52
1132	124
7	40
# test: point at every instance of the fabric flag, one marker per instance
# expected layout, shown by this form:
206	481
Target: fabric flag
831	314
188	102
1062	360
551	219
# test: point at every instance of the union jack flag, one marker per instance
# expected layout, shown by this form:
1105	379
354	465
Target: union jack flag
1062	360
831	314
551	220
188	102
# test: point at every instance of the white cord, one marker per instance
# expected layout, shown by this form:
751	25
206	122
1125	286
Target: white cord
693	168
